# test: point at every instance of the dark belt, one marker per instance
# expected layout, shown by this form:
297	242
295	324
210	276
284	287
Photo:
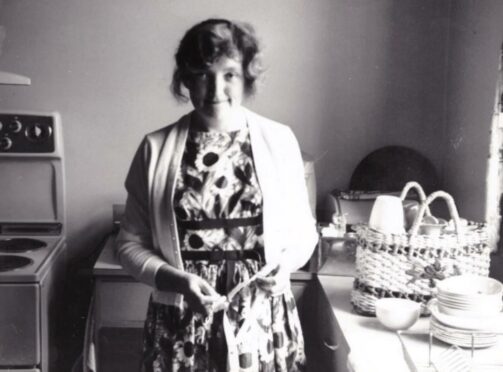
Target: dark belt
218	254
220	223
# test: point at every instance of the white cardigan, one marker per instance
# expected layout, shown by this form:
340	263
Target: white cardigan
148	237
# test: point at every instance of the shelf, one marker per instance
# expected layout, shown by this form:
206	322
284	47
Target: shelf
8	78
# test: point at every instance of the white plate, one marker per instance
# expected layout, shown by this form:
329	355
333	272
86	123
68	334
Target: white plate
464	343
462	338
489	300
465	312
461	333
486	323
468	313
470	285
487	308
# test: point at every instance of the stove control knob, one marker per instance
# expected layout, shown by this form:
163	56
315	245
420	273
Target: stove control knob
37	132
5	143
15	126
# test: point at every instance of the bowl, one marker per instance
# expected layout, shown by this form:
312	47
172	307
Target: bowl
397	313
432	226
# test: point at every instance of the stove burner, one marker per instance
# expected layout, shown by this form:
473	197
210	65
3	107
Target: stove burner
19	245
8	263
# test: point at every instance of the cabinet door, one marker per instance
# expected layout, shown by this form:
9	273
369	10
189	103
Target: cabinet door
121	303
120	310
332	348
326	349
20	325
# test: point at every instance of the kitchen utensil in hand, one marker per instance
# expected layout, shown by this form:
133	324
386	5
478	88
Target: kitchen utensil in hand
226	300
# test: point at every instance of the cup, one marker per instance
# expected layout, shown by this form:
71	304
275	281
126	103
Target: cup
387	215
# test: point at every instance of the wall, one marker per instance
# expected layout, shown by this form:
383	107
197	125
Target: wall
475	39
348	76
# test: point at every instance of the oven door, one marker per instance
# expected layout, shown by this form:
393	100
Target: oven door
19	327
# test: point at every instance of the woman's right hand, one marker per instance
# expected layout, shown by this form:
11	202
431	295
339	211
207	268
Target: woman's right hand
200	295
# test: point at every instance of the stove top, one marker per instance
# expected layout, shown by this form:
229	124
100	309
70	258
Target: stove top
21	245
12	262
27	259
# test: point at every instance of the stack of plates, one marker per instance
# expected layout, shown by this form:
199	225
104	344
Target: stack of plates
467	311
470	296
461	331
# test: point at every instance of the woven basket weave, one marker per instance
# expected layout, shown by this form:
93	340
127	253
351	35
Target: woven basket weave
409	265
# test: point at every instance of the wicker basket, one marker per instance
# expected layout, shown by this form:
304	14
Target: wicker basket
409	265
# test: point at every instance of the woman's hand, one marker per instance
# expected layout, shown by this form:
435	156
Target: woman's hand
276	282
200	296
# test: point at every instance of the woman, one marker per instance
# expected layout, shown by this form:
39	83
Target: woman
214	200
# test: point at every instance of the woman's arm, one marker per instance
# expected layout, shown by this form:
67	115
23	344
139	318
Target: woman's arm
134	245
300	235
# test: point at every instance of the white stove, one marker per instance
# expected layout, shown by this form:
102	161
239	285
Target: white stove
32	239
26	260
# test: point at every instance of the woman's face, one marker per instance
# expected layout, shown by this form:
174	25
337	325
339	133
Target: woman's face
218	90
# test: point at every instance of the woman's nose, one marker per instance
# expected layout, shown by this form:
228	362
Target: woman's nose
216	87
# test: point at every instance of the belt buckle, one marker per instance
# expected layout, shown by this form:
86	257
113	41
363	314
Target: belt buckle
217	254
240	255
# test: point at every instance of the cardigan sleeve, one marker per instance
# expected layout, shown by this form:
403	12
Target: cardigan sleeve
303	236
134	244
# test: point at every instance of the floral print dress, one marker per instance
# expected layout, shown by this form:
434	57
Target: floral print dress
217	181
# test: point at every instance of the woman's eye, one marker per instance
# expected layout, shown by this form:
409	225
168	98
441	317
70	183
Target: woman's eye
230	75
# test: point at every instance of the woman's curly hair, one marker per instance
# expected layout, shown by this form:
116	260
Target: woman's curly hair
209	40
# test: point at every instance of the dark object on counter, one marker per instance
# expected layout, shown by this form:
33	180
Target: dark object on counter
390	168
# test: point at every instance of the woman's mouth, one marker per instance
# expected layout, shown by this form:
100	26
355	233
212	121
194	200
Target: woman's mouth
214	102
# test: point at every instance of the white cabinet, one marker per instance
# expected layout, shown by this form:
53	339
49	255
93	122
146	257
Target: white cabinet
122	302
120	309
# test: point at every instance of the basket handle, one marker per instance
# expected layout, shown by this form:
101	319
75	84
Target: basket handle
413	185
453	211
420	192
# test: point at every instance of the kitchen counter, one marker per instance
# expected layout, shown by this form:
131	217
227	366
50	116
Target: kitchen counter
357	343
107	264
372	348
117	314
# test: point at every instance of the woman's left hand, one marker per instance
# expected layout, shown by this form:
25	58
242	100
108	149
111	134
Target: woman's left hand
276	282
